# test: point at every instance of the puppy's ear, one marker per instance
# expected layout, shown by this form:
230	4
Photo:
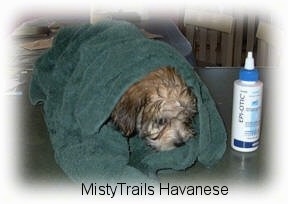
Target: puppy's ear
126	111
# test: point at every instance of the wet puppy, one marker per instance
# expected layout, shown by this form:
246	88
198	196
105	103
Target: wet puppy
160	108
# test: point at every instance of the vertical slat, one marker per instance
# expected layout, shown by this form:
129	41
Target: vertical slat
250	33
272	56
261	53
196	42
218	50
212	36
238	41
269	60
190	31
203	41
227	40
224	39
227	49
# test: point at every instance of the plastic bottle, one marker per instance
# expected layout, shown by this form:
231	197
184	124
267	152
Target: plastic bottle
247	105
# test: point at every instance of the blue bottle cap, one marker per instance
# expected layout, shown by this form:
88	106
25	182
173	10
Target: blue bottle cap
249	75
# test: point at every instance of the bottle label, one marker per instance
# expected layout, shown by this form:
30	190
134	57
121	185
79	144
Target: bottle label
246	119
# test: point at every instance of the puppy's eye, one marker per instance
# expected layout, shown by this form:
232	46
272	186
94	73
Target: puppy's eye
161	121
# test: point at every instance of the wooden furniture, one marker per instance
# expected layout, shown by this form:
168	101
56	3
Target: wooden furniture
223	38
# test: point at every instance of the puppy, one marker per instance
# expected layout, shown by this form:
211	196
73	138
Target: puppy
160	108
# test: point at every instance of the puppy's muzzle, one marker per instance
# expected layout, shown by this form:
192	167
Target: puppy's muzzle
179	142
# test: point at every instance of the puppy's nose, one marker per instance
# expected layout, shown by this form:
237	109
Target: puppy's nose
179	143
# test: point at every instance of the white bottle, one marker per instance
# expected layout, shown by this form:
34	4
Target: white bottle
247	105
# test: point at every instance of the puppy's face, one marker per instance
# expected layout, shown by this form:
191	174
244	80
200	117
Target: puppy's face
166	124
160	108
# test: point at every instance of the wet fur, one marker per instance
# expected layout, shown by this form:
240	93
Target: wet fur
160	108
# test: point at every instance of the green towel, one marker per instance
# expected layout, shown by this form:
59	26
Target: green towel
79	81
